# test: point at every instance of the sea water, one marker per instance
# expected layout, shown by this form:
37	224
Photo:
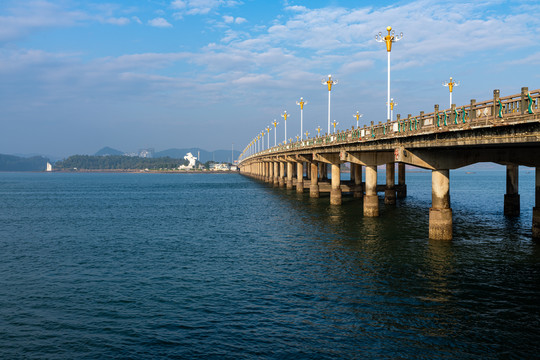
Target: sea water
220	266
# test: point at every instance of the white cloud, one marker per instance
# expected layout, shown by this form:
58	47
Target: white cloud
231	19
200	7
136	19
240	20
117	21
159	22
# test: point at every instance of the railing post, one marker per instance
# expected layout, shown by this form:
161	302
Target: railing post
453	113
436	116
524	100
421	121
496	97
472	112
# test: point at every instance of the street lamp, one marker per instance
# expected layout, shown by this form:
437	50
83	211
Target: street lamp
318	131
284	116
392	104
301	103
451	85
357	116
275	131
389	39
268	128
262	138
335	123
329	82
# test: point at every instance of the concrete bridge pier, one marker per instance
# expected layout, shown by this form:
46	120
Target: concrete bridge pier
281	174
356	174
440	213
536	209
270	172
511	198
402	190
371	200
276	174
335	192
289	175
314	184
390	191
300	177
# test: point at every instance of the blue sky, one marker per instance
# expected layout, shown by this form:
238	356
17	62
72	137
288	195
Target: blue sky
79	75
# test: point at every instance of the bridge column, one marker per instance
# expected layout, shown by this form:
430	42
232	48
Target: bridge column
281	174
314	184
536	209
335	192
300	177
390	191
402	190
357	171
440	213
289	175
511	198
276	174
371	200
270	172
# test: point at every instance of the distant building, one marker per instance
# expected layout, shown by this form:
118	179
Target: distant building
146	153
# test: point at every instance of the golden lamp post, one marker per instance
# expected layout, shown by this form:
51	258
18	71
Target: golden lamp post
301	103
268	128
335	123
318	131
392	104
262	140
275	131
451	85
388	39
329	83
357	116
284	116
307	134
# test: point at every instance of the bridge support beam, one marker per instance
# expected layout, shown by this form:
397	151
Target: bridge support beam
511	198
371	200
300	177
335	192
440	213
402	191
289	175
276	174
281	174
314	184
536	209
356	171
270	172
390	191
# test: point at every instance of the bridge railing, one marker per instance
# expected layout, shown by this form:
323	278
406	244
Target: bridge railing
497	111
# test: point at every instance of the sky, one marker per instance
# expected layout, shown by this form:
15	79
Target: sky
76	76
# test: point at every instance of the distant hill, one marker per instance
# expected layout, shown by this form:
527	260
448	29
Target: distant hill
218	155
108	151
17	163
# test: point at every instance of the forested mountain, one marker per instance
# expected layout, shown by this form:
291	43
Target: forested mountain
117	162
16	163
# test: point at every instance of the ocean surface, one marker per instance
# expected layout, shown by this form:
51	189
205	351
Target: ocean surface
220	266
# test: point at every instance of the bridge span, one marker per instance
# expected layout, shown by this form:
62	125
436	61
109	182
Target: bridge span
502	130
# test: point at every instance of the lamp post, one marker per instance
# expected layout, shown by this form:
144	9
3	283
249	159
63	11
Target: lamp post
329	83
451	85
301	103
284	116
389	39
268	128
392	104
357	116
275	131
318	131
262	140
335	123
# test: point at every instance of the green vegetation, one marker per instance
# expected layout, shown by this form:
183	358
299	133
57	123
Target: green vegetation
118	162
16	163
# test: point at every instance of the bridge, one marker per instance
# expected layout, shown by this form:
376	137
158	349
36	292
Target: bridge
502	130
